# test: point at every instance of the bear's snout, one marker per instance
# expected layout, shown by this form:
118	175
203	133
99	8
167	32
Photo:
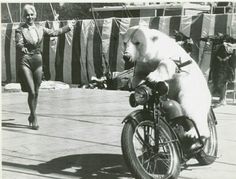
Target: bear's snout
127	57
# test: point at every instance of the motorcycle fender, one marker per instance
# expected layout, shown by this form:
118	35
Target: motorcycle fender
211	116
137	116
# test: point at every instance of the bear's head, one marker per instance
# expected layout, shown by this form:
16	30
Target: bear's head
139	43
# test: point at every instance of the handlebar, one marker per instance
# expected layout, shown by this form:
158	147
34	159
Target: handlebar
162	85
184	64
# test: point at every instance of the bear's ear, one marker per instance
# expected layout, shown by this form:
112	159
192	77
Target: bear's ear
153	35
154	38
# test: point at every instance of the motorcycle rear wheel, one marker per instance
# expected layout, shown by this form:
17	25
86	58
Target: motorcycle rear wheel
209	152
139	152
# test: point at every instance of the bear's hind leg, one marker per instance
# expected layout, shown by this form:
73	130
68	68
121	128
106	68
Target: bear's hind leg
199	114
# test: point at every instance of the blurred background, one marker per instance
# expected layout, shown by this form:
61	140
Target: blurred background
12	12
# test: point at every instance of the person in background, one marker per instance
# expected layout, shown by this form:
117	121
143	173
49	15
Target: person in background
29	39
185	42
222	71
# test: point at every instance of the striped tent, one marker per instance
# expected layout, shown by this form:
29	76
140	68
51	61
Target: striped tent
93	47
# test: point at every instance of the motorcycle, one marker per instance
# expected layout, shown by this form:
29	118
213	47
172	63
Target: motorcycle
153	142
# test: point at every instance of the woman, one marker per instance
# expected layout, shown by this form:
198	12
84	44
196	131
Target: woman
29	38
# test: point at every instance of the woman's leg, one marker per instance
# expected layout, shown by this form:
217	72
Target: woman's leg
37	76
29	82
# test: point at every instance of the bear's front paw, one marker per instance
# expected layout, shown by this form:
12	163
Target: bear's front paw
151	78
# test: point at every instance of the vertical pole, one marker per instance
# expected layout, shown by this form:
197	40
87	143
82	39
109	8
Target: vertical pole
182	9
9	12
53	12
212	6
52	8
233	10
232	20
20	11
164	10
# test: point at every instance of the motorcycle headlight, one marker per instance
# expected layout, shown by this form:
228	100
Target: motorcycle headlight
141	95
162	88
132	101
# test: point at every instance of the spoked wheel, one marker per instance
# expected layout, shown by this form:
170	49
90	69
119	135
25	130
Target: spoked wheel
146	160
209	152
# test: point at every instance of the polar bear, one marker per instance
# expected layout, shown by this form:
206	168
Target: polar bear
154	54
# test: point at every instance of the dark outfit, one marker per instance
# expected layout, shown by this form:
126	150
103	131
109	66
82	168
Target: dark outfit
31	37
222	71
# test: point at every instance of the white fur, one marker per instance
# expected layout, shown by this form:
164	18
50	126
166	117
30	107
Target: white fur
154	53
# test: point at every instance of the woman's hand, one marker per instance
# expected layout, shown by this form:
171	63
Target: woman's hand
72	23
24	50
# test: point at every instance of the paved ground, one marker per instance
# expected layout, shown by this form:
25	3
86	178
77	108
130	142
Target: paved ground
79	137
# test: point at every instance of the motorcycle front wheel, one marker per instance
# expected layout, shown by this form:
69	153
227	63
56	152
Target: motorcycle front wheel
143	158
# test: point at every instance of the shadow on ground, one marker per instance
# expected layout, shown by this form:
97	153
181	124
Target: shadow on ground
7	123
103	166
85	166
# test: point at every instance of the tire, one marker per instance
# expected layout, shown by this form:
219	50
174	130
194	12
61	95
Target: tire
209	152
155	168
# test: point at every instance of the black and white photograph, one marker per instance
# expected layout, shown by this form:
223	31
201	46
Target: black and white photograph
118	89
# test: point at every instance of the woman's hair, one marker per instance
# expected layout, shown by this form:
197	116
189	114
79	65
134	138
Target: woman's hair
29	7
